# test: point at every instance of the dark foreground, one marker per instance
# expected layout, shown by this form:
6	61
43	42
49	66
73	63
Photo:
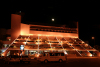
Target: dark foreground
72	62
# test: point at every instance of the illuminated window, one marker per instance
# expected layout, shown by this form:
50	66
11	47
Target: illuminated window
14	47
57	54
51	54
45	54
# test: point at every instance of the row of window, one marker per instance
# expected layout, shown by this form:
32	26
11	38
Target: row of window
51	30
54	54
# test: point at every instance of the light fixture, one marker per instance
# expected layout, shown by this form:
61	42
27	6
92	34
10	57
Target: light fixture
91	55
21	47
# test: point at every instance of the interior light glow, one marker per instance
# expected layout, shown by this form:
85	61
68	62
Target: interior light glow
37	43
39	34
30	34
2	54
91	55
82	42
37	55
24	42
49	43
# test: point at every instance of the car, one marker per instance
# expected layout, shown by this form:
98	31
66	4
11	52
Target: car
12	58
52	56
24	59
2	57
5	59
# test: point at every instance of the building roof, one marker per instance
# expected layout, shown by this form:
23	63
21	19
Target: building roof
53	24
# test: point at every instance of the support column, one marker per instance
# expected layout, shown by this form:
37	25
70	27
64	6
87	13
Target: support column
78	29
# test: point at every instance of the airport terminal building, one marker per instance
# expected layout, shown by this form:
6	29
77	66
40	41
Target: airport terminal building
30	39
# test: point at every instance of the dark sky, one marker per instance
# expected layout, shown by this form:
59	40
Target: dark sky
87	13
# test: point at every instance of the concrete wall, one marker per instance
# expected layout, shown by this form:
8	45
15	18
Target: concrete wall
7	42
55	33
15	26
24	29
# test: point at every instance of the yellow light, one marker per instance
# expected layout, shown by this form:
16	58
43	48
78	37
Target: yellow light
91	55
30	34
2	54
39	35
38	55
15	47
86	45
82	42
65	52
24	42
37	43
49	43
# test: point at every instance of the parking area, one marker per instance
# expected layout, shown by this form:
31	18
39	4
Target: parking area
71	62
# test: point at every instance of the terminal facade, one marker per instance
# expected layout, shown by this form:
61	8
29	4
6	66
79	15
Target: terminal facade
31	39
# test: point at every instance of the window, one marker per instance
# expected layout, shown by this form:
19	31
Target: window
30	41
62	54
45	54
77	45
57	54
51	54
11	46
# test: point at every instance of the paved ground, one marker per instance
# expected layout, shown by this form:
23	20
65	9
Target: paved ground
72	62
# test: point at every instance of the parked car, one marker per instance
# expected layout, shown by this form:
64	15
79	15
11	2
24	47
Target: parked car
52	56
2	57
5	59
12	58
24	59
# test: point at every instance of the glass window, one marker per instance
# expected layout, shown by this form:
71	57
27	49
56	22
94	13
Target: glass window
51	54
62	54
57	54
45	54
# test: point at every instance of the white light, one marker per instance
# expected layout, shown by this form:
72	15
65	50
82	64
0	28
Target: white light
25	42
52	19
91	55
65	52
22	47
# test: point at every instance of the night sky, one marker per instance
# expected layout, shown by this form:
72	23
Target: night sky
87	13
